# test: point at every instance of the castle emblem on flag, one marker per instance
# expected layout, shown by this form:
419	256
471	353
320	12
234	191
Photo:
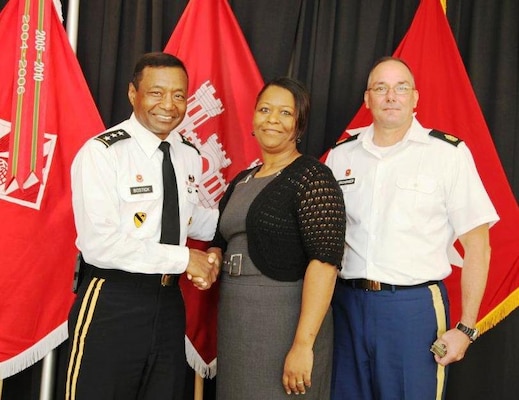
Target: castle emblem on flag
31	194
202	106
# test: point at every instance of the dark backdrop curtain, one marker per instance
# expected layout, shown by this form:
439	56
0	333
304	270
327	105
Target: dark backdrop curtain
330	45
336	43
487	33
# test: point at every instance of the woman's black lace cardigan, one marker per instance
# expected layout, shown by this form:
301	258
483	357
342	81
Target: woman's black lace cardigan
297	217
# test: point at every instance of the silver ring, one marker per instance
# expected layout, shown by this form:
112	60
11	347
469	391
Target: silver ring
300	383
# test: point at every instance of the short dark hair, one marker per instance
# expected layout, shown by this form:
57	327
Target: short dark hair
301	100
155	60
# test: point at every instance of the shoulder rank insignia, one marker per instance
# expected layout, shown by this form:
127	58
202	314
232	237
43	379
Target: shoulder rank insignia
109	138
445	137
186	141
346	140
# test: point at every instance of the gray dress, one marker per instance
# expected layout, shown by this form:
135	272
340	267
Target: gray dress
257	319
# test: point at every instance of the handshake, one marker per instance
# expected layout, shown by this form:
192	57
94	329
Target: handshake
203	267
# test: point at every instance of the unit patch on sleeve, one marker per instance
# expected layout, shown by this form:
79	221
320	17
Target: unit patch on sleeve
109	138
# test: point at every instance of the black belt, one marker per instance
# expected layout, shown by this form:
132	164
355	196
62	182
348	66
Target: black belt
367	284
117	275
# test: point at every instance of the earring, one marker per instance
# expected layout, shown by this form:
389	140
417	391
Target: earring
252	133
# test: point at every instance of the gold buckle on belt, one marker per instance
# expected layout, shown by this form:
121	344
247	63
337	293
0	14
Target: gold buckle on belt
372	285
166	280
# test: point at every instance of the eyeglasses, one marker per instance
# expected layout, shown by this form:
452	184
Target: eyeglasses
382	90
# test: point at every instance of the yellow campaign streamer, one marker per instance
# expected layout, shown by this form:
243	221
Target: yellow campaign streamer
30	89
20	88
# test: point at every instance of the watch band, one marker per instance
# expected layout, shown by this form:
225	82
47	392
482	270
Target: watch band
472	333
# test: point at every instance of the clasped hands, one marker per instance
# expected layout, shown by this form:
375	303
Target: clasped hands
203	267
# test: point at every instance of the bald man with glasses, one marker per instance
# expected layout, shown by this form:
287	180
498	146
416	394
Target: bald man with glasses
410	192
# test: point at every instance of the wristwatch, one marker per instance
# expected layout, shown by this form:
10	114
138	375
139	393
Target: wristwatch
472	333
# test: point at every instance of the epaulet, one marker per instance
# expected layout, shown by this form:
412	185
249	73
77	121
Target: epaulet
109	138
346	140
186	141
445	137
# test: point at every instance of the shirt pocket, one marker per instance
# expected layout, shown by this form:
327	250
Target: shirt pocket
417	183
418	199
140	204
140	191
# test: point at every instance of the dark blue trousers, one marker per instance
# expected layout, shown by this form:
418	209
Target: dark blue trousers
382	341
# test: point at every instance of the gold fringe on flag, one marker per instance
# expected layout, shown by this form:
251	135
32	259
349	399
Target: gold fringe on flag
444	5
499	313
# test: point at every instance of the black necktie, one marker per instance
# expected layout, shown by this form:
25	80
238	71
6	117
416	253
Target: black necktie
170	231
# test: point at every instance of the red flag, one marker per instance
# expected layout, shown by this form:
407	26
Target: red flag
37	250
448	103
224	81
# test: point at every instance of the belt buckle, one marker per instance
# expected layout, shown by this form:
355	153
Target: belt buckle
166	280
235	261
373	285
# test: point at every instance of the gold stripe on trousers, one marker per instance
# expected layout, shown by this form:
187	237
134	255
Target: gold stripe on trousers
83	322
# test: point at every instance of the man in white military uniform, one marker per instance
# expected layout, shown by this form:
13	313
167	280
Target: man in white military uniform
127	324
410	192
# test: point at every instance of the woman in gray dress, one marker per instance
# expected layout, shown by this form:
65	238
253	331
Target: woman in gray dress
281	230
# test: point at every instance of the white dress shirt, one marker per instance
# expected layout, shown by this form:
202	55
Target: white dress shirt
406	207
117	200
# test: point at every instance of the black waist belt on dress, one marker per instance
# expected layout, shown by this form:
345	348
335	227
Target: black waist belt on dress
117	275
367	284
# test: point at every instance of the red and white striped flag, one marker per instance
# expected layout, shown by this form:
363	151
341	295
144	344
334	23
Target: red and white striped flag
46	113
448	103
223	82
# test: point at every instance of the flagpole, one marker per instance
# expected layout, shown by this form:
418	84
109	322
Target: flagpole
47	376
72	23
49	361
199	387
